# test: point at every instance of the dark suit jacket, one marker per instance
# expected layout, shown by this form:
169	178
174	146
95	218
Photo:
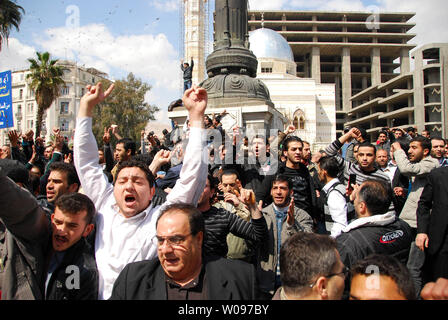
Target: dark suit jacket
434	196
225	280
400	180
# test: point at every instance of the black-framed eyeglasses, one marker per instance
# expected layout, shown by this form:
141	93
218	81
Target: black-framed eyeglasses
171	241
344	273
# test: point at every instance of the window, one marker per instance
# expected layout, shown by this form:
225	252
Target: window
65	91
30	124
64	107
30	107
83	90
302	123
266	70
21	94
64	125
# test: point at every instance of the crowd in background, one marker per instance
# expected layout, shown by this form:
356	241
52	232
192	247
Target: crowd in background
278	219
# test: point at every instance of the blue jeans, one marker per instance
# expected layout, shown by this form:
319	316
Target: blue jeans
187	85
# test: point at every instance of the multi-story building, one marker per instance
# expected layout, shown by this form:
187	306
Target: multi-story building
62	113
416	98
353	50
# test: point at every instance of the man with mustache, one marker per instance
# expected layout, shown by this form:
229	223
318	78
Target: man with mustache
42	260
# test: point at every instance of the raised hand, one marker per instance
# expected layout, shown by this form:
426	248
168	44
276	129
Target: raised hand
13	138
231	198
93	96
68	158
290	219
163	157
290	129
58	142
106	135
195	101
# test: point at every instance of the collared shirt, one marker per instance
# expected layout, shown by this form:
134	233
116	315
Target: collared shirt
337	206
390	171
120	240
280	215
194	290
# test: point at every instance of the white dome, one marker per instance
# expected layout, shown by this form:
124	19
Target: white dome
266	43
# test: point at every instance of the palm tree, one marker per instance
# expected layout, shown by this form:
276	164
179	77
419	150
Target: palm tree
45	80
10	16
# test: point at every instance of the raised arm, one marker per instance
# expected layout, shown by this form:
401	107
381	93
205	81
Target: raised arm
85	148
20	213
193	175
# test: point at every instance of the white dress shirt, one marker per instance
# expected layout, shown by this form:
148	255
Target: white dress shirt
121	240
337	205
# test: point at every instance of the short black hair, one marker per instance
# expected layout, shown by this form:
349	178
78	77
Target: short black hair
137	164
195	217
290	139
367	144
282	178
16	171
387	266
377	195
438	138
303	257
74	203
425	143
228	172
128	144
404	143
331	165
68	169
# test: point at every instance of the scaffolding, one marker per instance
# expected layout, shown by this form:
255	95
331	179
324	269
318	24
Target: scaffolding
194	35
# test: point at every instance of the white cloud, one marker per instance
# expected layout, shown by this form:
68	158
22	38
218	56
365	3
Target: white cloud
150	57
14	55
165	5
430	19
328	5
266	4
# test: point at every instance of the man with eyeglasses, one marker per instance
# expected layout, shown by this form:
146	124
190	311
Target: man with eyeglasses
311	269
181	272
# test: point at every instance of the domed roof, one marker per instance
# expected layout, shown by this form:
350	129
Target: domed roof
266	43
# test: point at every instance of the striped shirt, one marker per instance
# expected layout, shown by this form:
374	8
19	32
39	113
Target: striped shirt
354	168
220	222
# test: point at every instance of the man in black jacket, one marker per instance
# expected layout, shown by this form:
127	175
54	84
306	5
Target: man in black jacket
297	172
43	260
432	224
181	272
376	230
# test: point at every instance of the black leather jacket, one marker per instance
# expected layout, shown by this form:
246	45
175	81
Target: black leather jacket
76	278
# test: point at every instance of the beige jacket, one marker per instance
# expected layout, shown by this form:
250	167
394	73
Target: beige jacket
267	252
417	173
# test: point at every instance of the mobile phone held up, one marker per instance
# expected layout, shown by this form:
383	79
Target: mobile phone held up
351	181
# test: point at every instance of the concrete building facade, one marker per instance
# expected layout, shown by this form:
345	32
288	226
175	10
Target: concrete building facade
63	111
417	98
353	50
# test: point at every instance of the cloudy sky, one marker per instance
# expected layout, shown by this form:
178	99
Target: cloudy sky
142	36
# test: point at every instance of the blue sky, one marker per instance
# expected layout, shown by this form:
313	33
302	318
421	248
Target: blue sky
142	36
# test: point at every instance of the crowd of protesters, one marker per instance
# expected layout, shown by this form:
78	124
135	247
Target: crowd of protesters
205	213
